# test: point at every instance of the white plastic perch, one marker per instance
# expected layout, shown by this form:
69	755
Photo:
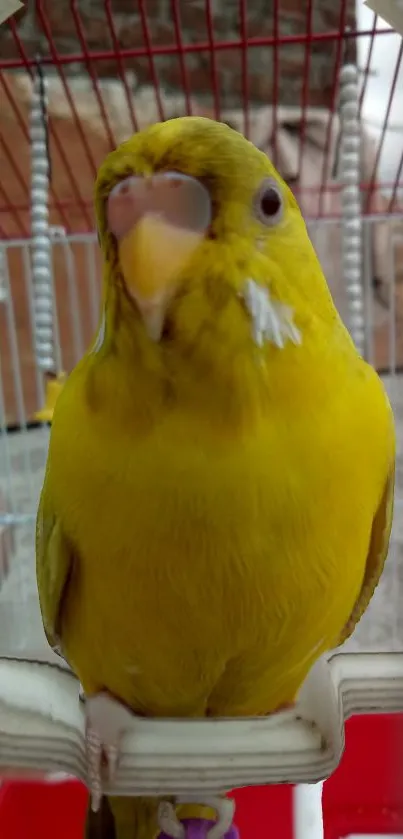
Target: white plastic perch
42	729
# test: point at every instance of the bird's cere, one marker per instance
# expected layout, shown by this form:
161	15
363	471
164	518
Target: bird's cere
271	321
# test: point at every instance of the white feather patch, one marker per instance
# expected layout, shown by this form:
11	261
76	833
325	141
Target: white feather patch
271	321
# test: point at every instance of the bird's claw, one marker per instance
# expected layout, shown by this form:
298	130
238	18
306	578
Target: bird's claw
94	767
106	721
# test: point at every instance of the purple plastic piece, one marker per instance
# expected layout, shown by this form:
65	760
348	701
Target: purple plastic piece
198	829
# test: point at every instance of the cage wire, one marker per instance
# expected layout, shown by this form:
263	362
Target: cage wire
66	104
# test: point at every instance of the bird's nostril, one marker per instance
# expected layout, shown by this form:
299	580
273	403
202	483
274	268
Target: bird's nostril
124	189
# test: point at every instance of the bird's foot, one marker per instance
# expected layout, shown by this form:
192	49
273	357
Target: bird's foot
186	826
106	721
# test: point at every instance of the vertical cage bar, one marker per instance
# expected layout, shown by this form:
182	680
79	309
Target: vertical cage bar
176	18
351	222
307	811
276	80
215	84
367	265
74	301
337	76
305	85
29	291
395	84
3	292
243	25
94	290
121	66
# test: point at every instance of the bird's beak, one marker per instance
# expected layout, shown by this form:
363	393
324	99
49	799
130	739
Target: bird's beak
158	223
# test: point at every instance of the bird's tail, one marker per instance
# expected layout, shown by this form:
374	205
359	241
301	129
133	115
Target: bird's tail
135	818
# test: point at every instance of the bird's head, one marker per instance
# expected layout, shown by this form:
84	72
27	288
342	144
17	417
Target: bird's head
204	244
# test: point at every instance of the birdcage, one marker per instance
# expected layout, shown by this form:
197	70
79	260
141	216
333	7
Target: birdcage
301	80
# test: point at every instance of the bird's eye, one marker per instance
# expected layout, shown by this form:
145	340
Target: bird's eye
269	203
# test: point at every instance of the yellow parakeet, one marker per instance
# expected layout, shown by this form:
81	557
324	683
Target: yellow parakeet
217	501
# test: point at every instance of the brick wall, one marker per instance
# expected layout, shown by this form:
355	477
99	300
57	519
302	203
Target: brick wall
130	34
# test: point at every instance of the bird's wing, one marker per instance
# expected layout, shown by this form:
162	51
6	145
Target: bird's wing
54	566
378	551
